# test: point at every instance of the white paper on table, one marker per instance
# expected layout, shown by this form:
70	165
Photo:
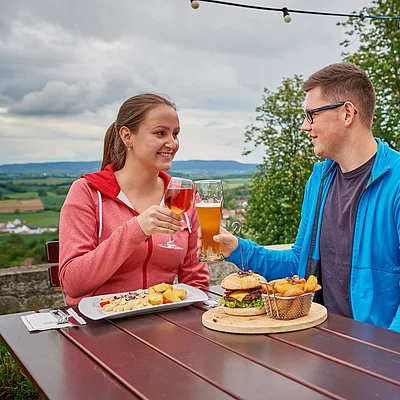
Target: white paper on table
45	321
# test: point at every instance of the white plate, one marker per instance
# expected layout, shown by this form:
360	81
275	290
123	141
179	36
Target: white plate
90	307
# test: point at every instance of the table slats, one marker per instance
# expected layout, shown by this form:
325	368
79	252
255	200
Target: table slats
57	368
140	367
220	366
311	369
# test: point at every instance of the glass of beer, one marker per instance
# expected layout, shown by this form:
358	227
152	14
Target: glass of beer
209	209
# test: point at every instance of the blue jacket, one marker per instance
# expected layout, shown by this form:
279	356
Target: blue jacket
375	271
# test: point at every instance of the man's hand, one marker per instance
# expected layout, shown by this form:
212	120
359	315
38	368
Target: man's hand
157	219
227	241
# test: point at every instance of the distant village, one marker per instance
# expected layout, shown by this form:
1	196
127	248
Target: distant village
234	215
18	227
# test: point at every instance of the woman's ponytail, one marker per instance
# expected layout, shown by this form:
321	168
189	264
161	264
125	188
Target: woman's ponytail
114	149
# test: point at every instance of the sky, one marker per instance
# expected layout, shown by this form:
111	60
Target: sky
67	66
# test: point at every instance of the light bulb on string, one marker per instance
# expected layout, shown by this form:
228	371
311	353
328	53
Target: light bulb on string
286	16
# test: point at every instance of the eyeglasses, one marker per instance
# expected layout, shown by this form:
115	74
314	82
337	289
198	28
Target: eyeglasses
309	113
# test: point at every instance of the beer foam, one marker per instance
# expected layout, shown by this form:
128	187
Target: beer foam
208	205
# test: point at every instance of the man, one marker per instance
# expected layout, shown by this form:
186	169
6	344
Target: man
350	226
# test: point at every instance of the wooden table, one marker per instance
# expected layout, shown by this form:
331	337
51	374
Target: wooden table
171	355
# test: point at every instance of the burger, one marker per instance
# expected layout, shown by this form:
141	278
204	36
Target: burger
242	294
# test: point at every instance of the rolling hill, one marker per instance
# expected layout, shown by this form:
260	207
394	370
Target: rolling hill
190	168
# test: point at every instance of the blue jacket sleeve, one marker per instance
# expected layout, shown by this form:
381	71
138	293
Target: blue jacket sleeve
272	264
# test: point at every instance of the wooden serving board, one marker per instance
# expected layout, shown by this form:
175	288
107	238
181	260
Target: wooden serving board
217	320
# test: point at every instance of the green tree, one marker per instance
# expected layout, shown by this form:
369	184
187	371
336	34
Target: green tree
42	193
276	190
379	56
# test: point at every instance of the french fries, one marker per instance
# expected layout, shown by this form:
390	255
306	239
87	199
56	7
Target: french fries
289	287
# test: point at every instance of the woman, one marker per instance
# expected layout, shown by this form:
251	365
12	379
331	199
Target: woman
112	220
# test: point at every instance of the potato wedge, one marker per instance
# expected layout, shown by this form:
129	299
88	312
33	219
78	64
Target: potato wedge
162	287
293	291
155	299
311	284
181	293
171	296
318	287
151	290
281	288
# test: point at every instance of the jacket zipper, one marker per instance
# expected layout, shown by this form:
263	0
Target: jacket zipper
371	181
316	218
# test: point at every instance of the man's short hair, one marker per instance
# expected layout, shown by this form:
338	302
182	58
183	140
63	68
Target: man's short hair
345	82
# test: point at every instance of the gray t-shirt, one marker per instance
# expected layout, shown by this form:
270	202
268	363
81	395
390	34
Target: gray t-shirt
336	240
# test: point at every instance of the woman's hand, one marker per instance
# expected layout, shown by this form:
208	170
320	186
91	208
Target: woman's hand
157	219
227	241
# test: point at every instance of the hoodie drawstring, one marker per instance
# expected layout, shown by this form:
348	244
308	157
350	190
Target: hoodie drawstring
100	213
188	223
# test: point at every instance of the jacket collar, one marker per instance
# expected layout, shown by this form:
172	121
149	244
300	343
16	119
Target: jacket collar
381	164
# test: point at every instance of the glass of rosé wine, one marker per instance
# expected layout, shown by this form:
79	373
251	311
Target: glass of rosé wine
178	198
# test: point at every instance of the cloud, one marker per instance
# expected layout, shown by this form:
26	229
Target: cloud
68	66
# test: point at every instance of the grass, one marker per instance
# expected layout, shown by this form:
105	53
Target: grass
14	385
48	236
232	183
43	219
44	182
53	200
23	196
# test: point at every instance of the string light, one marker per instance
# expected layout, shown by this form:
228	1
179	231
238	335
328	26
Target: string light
286	16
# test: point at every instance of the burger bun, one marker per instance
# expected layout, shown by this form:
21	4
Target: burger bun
244	312
236	282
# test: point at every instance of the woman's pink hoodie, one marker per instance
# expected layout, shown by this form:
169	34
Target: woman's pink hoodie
103	250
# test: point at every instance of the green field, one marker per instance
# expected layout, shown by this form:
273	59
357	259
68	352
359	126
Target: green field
44	181
23	196
53	200
43	219
30	238
232	183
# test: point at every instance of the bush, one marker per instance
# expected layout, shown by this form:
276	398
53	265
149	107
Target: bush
13	383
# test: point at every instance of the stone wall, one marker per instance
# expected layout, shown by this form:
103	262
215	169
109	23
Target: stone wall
27	288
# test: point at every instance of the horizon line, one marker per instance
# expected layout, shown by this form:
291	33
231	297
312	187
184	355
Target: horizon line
99	161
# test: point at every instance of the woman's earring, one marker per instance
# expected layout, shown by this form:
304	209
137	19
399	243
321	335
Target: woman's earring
128	145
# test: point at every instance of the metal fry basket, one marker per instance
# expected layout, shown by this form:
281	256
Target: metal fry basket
279	307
